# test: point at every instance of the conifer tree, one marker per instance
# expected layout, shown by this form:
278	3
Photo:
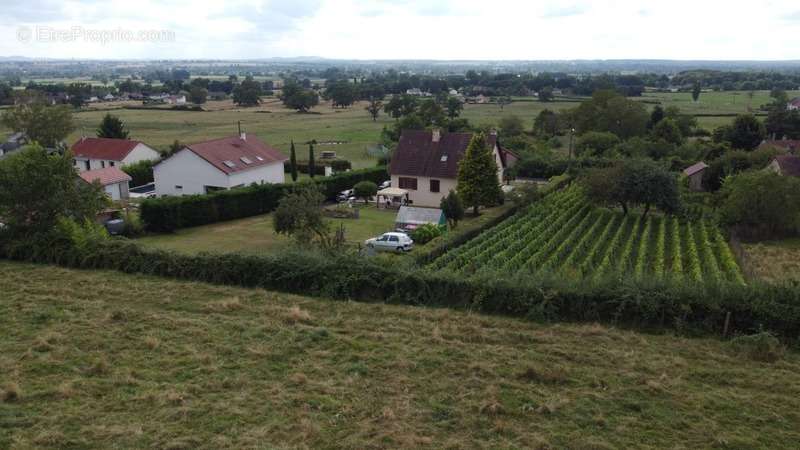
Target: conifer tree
112	127
293	163
478	184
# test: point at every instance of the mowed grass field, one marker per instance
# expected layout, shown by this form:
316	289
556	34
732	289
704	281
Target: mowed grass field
255	235
107	360
774	260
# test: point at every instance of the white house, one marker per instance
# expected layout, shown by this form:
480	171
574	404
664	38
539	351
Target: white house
99	153
794	104
425	163
176	100
114	181
219	164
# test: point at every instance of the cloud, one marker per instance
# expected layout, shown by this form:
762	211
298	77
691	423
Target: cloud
792	17
559	11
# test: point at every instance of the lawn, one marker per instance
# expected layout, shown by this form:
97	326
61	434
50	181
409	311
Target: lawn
108	360
255	234
774	260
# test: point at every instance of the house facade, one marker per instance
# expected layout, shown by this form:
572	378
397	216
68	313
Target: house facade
115	182
219	164
794	104
99	153
425	163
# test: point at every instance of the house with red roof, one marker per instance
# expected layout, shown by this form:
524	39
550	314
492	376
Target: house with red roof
92	153
789	145
425	163
219	164
794	104
114	181
695	174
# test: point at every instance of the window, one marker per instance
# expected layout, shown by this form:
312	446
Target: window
443	158
393	239
103	164
434	185
229	164
111	163
408	183
259	158
246	160
178	187
87	165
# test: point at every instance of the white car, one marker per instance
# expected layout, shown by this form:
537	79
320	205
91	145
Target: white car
385	185
394	242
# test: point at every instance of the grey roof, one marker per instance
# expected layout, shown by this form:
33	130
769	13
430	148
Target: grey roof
419	216
693	169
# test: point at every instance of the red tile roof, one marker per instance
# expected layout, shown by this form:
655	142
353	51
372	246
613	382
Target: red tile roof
418	155
109	175
103	148
786	144
789	164
693	169
234	154
795	102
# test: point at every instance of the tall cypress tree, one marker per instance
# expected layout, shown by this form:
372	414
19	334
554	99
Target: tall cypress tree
478	184
293	164
311	164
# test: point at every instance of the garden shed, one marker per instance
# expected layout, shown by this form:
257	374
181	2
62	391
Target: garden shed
410	217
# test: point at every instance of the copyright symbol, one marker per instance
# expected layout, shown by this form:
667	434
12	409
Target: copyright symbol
24	34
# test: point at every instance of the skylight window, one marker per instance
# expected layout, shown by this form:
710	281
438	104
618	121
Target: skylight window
444	158
229	164
246	160
259	158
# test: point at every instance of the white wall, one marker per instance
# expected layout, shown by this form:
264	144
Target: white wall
114	191
193	173
270	173
188	170
423	196
141	153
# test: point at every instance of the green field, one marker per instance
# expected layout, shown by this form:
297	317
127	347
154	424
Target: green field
255	235
106	360
565	234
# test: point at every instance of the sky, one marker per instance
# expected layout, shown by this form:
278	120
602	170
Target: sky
402	29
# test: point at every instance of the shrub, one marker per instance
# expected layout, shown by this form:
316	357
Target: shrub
141	172
341	165
426	233
365	190
171	213
763	346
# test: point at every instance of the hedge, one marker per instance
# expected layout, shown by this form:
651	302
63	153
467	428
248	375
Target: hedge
687	307
166	214
338	165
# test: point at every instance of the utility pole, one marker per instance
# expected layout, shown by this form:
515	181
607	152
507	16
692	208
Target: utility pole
571	134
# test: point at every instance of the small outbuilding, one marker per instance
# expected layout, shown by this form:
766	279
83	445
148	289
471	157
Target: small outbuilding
114	181
695	175
410	217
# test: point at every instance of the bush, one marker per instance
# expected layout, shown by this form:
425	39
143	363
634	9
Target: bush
141	172
426	233
341	165
171	213
763	346
338	165
762	204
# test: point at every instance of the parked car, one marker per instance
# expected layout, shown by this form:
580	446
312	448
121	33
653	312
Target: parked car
145	191
344	195
393	241
385	184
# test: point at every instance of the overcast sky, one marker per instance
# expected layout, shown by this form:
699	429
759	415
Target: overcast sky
403	29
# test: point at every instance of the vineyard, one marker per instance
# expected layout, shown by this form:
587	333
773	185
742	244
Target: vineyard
565	234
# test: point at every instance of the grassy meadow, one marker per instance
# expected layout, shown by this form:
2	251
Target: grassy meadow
774	260
255	235
108	360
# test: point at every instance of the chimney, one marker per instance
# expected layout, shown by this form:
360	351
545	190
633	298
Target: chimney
436	135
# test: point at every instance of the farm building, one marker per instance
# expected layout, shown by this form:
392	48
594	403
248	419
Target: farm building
114	181
787	165
99	153
409	217
219	164
695	175
425	163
